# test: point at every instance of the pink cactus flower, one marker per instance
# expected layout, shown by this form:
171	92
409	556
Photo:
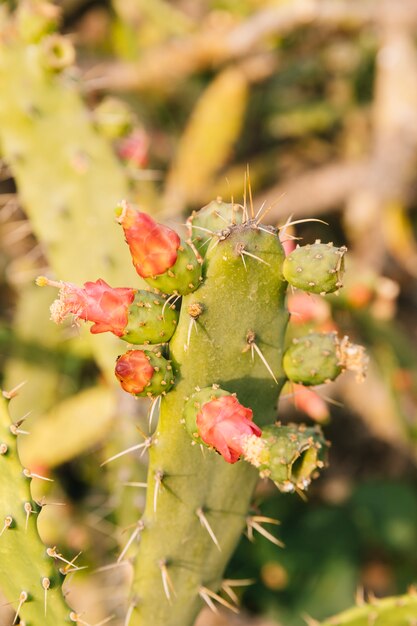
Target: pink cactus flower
97	302
305	307
310	403
134	148
223	423
134	371
153	247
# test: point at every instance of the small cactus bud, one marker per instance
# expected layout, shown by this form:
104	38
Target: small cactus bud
113	118
97	302
319	357
149	320
56	52
317	268
215	418
212	218
313	359
144	373
158	254
288	455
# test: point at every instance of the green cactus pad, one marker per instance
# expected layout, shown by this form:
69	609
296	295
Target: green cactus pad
193	407
212	218
313	359
150	319
394	611
27	574
183	277
317	268
288	455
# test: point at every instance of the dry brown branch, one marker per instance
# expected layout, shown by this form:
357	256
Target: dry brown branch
217	43
315	192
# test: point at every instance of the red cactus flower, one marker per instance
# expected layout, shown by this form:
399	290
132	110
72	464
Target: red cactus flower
222	423
134	148
134	371
153	246
97	302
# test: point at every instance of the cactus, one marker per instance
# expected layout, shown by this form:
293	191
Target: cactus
29	577
216	433
395	611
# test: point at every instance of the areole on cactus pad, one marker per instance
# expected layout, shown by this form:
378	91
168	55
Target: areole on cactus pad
219	369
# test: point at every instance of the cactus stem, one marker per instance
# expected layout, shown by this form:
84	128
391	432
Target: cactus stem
166	579
26	472
13	392
3	448
208	596
22	599
139	527
145	445
205	523
8	521
253	522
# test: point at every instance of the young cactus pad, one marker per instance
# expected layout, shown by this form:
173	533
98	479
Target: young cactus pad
216	431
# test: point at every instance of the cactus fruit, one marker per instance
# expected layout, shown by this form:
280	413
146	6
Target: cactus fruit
289	455
218	390
158	254
320	357
317	268
144	373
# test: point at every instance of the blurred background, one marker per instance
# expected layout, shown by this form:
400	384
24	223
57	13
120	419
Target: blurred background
167	104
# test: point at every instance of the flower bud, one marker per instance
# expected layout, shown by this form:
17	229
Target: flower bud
215	418
158	254
144	373
317	268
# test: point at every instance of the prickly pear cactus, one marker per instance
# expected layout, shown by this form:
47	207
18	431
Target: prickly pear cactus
218	365
29	572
